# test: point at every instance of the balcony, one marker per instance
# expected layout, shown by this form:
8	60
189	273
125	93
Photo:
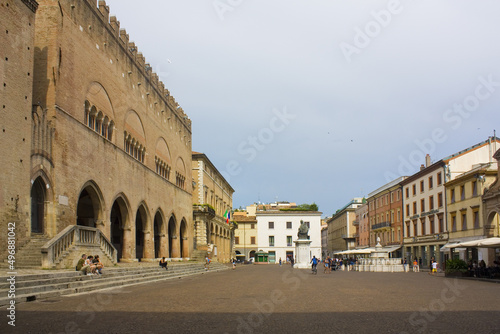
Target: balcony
381	225
349	236
355	223
204	209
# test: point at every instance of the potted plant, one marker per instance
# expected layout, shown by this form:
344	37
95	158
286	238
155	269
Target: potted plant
456	268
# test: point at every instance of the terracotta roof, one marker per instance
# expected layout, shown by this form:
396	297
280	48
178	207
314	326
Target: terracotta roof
289	212
244	219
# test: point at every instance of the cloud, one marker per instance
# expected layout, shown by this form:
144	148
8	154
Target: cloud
229	74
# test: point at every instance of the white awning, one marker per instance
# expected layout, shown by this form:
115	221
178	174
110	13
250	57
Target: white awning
370	250
472	243
481	243
490	242
363	251
390	249
449	245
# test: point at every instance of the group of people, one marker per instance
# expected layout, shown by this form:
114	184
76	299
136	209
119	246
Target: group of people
90	265
416	264
481	270
330	264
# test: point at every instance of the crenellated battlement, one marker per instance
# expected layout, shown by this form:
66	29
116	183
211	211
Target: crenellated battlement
117	36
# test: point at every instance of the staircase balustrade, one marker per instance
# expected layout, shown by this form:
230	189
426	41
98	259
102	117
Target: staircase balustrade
73	236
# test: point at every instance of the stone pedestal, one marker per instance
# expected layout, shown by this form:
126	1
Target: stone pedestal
302	253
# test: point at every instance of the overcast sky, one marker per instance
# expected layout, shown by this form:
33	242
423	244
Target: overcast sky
323	101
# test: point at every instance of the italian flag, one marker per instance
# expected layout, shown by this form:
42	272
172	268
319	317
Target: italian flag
227	215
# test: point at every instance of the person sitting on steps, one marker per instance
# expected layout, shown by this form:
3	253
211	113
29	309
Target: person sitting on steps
98	265
92	266
82	266
164	263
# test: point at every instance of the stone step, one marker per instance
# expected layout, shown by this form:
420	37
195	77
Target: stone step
29	255
83	283
134	268
22	282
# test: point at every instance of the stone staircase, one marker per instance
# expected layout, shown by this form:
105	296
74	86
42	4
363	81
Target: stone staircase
29	255
42	285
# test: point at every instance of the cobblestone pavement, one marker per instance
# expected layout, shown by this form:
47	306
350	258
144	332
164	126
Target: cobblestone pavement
273	299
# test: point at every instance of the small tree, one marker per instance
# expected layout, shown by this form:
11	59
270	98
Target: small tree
456	265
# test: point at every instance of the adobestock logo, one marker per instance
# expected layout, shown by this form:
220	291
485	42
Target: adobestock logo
249	148
454	117
372	29
223	6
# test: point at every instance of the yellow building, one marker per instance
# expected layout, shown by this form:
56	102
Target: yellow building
341	229
212	200
245	236
465	211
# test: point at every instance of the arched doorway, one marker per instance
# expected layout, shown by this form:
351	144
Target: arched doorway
252	254
38	196
492	227
207	229
140	227
157	229
172	236
88	208
184	245
118	220
212	234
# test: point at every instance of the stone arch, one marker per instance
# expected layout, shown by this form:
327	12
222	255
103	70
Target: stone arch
135	127
120	231
90	205
492	226
105	127
98	96
160	235
183	239
38	209
173	240
99	122
111	128
180	173
142	233
252	254
41	197
163	162
87	112
180	166
135	136
162	150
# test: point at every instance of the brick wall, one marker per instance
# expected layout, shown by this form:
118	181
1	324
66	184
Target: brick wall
17	22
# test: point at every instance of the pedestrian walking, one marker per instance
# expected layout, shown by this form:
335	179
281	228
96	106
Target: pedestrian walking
326	266
207	263
314	262
434	268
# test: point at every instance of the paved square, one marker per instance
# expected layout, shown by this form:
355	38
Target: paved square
273	299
